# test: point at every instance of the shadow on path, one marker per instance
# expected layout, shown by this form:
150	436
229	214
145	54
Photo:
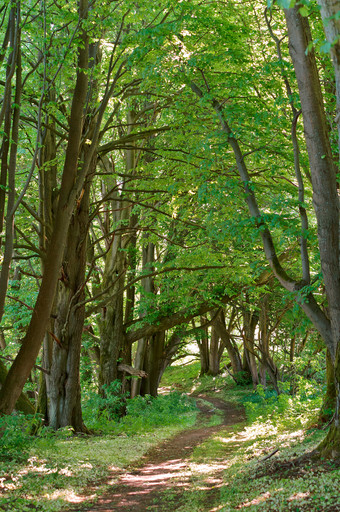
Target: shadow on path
165	468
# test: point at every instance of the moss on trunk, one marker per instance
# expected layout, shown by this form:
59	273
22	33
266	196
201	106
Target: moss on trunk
330	446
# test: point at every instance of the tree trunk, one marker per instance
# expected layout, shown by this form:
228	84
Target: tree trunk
203	345
250	321
214	352
139	365
226	339
64	405
112	321
47	211
23	403
32	341
329	400
325	196
11	165
331	22
267	364
111	326
148	259
153	364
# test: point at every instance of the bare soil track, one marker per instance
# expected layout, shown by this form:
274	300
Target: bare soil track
158	480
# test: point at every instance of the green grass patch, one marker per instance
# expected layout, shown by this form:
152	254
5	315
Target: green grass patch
55	470
228	473
181	378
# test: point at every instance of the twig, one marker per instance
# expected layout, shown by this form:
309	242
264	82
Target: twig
330	421
35	366
231	375
270	455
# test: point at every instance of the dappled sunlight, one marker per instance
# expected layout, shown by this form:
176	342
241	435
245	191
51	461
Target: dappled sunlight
207	468
68	495
256	501
299	496
256	430
283	440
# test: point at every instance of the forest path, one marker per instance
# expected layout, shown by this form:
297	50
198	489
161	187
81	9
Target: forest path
163	474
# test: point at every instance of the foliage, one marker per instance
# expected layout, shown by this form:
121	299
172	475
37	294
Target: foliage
16	436
60	467
228	472
181	194
100	410
285	410
145	412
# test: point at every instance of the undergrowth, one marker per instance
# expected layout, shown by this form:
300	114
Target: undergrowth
234	470
263	466
51	470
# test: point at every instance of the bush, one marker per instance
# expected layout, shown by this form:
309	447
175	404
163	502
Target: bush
285	410
99	411
15	435
146	412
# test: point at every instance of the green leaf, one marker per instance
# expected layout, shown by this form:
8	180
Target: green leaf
304	11
286	4
325	47
309	47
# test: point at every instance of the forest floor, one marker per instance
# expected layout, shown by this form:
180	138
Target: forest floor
244	451
159	479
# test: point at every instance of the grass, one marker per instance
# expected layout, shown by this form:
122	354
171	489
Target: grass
226	473
54	471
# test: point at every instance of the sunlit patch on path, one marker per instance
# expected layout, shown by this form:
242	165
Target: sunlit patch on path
165	471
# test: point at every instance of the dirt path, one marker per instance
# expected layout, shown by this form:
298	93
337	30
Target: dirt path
163	473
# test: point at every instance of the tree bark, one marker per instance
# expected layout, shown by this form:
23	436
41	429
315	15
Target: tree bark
226	339
32	341
23	403
11	166
250	320
331	23
325	196
203	346
214	352
64	404
148	259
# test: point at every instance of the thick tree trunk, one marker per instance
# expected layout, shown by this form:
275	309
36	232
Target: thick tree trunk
330	15
23	403
32	341
153	364
148	259
64	405
329	401
139	365
112	321
226	340
111	324
325	196
267	364
47	211
214	352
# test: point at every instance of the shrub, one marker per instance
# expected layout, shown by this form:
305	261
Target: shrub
101	410
146	412
15	435
285	410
